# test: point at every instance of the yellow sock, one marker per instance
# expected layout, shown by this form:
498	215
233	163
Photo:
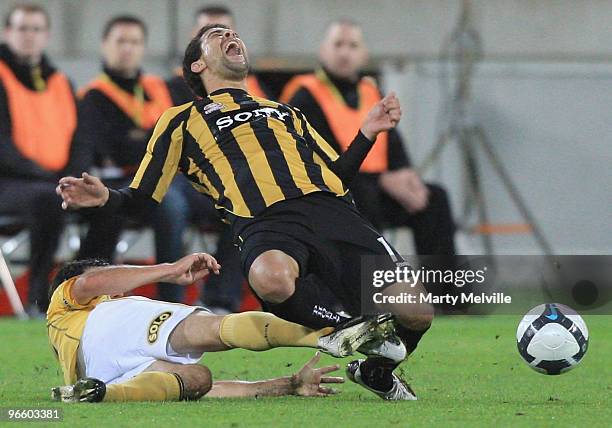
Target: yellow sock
147	386
259	331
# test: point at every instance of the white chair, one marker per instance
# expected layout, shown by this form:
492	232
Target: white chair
12	227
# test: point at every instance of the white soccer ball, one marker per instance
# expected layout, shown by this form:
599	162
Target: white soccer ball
552	338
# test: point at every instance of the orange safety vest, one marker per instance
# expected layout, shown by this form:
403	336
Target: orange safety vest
42	122
143	113
343	120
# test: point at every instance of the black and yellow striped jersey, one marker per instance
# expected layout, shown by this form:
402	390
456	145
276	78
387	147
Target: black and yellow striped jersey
245	152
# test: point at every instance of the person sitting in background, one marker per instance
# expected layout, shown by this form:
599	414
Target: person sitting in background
387	190
118	111
38	119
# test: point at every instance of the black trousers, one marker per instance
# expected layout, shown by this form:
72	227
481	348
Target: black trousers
40	208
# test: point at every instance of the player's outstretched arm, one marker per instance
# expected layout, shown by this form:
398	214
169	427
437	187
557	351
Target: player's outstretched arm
384	116
308	382
117	280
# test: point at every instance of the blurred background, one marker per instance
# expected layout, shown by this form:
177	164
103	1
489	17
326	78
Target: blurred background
541	89
528	80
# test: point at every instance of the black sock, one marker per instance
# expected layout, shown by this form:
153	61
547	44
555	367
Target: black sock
311	305
377	372
411	338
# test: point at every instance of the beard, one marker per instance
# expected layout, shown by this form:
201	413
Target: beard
234	70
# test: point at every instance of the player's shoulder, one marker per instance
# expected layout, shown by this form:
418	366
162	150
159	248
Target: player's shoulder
61	298
175	115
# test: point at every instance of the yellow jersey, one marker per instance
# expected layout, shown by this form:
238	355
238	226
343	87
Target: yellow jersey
65	323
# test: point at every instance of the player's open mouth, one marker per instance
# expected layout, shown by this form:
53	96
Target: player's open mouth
234	49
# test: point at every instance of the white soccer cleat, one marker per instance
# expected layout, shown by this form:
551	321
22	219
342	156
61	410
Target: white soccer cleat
400	391
348	337
391	347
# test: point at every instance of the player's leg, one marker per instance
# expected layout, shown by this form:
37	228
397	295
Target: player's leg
256	331
196	379
161	381
276	265
273	274
259	331
355	239
412	319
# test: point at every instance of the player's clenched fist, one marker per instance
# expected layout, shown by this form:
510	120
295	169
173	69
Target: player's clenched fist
384	116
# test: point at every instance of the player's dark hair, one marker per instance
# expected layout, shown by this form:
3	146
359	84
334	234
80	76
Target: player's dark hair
123	19
192	54
27	8
214	9
72	269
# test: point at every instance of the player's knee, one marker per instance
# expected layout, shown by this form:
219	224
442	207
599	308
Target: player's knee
275	286
418	318
197	381
273	281
424	318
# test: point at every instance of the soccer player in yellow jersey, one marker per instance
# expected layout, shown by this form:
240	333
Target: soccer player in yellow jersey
116	348
285	193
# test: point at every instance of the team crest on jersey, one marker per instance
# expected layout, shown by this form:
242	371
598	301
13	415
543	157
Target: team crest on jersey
212	107
155	326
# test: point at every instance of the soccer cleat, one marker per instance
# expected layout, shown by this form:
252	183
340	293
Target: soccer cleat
85	390
398	392
348	337
390	347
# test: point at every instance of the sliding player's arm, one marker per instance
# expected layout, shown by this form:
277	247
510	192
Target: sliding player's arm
308	382
116	280
151	182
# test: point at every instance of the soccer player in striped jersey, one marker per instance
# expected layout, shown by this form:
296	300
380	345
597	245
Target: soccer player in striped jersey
283	190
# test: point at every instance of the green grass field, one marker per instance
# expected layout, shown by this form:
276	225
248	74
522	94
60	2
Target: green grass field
466	372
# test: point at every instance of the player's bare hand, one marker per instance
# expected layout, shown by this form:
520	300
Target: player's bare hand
192	268
384	116
310	381
87	191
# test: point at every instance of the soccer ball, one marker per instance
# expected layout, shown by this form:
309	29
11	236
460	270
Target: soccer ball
552	338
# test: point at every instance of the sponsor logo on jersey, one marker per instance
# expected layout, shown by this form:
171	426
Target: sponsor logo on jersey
155	326
246	116
212	107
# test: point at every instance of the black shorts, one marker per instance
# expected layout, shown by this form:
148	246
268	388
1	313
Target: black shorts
325	234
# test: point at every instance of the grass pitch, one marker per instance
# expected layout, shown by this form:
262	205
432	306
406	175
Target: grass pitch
466	372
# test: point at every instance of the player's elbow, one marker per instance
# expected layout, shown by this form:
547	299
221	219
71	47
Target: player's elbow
84	290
